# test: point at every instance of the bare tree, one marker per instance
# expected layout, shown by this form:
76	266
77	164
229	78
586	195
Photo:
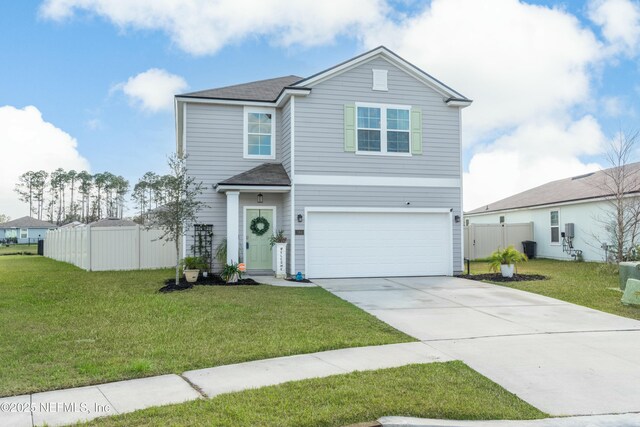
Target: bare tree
621	217
180	211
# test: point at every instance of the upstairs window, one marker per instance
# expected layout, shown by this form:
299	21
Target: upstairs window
383	129
259	134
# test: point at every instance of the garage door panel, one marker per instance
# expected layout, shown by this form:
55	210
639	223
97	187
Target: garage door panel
367	244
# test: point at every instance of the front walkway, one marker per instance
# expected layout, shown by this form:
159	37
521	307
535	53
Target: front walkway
562	358
62	407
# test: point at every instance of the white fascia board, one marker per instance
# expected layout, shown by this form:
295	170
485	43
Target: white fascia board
277	103
377	181
176	112
547	206
254	188
377	210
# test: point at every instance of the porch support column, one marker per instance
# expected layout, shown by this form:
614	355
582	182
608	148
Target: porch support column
233	230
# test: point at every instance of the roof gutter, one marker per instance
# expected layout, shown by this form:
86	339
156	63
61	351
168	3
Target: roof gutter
548	205
458	102
284	95
221	188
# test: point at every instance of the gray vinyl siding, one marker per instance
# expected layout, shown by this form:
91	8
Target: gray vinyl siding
214	140
286	226
284	135
377	197
319	144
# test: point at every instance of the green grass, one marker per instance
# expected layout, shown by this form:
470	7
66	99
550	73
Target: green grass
589	284
437	390
64	327
19	249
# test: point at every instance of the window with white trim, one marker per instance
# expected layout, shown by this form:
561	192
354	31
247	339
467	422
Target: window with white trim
24	233
259	133
383	129
554	220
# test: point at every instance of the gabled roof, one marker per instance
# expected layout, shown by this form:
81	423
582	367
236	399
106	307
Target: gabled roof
382	51
270	90
27	222
578	188
261	90
267	174
112	222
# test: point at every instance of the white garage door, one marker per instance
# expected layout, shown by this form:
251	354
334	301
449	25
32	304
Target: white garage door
370	244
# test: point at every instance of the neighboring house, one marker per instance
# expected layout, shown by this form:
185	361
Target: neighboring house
113	222
25	229
584	201
359	164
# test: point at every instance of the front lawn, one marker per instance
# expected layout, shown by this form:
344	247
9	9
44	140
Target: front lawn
438	390
65	327
22	249
590	284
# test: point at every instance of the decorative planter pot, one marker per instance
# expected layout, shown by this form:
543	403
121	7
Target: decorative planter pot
507	270
281	260
191	275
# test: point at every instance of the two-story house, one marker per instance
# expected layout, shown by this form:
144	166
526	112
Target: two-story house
359	164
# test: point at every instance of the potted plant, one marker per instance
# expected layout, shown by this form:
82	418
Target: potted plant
231	273
191	267
505	260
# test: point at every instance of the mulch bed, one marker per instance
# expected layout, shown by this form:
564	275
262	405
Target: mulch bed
492	277
211	280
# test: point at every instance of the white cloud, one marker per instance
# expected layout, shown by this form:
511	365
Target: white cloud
620	23
535	153
526	67
205	26
612	106
515	60
153	90
31	143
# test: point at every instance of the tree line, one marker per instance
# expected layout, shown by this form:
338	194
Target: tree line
65	196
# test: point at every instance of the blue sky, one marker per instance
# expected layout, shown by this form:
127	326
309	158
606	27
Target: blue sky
563	85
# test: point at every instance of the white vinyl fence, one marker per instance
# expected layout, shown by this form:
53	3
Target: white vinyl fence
480	240
110	248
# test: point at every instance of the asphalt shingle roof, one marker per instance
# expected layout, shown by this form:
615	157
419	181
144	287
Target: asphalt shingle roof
112	222
261	90
27	222
581	187
265	174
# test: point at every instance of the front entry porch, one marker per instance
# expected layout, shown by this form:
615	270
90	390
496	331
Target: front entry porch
255	201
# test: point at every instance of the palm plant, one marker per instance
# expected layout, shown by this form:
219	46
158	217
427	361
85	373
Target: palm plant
506	256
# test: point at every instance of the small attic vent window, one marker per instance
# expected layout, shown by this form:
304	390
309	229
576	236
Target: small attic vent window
380	80
582	176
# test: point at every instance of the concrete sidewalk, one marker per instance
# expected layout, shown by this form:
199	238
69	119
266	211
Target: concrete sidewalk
62	407
623	420
562	358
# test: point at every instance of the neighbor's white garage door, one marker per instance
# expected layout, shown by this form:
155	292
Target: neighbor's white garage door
370	244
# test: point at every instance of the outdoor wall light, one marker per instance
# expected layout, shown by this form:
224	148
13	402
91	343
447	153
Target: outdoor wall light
299	217
260	198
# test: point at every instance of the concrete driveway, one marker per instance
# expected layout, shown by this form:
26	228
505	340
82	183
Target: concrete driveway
562	358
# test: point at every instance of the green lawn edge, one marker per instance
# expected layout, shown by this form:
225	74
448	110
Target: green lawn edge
449	390
71	328
590	284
